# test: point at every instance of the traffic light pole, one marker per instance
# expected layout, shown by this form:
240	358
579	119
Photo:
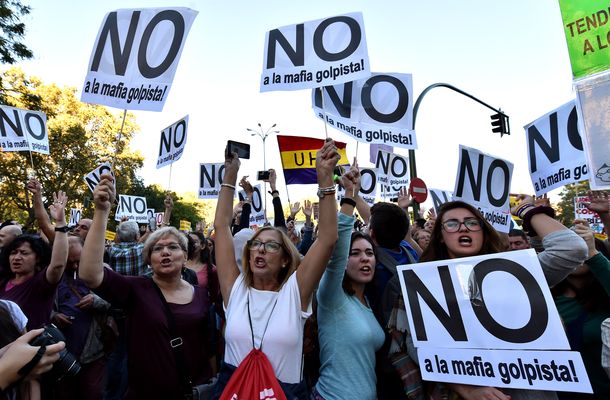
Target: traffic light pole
412	164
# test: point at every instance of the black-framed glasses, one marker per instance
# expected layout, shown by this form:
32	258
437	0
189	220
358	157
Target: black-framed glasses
270	247
453	225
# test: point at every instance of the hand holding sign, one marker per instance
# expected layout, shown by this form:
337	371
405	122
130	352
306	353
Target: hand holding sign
104	193
351	180
34	187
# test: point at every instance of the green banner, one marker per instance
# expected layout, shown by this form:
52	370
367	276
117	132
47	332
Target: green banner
586	24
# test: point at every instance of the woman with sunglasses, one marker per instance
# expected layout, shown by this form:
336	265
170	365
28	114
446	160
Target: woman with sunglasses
269	302
461	232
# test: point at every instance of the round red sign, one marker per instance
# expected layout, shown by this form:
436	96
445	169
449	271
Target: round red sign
418	190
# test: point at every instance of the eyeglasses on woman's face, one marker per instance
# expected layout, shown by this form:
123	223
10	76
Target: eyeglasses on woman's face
453	225
173	247
270	247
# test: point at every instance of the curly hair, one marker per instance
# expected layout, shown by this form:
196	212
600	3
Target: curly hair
39	247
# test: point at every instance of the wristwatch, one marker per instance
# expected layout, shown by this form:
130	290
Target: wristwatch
63	229
325	191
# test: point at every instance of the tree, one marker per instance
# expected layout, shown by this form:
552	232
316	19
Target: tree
81	136
12	30
565	206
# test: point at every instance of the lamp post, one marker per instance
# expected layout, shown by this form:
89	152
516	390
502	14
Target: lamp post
499	124
259	132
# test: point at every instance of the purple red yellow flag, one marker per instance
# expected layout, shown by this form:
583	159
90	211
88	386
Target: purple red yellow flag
298	155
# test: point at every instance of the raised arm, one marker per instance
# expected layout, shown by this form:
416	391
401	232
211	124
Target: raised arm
563	251
330	292
91	268
42	218
169	207
59	256
405	200
279	221
225	255
312	266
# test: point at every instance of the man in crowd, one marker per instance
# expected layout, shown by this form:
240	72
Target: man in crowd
518	240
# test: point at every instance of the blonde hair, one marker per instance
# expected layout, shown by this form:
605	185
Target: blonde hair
288	250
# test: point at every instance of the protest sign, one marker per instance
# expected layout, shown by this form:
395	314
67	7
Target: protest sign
374	149
376	109
484	181
459	308
109	235
159	218
93	177
439	197
132	207
75	215
23	130
587	29
316	53
257	215
185	225
210	179
555	150
582	212
150	214
535	370
173	141
392	173
592	97
135	57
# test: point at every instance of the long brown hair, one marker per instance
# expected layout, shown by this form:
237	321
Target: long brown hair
437	249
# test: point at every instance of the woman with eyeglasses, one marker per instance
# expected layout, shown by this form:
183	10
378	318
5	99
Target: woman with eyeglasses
460	231
269	302
167	329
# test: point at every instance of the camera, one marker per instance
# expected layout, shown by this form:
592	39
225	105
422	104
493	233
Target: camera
67	364
263	175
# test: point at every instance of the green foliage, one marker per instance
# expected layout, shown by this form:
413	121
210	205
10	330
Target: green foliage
12	30
81	136
565	212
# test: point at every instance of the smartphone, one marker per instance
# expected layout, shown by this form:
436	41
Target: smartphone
263	176
242	149
152	224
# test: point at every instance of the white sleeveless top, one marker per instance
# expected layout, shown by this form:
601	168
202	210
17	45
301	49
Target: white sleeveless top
283	340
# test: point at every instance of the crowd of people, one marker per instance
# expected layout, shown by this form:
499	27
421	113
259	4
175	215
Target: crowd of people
167	314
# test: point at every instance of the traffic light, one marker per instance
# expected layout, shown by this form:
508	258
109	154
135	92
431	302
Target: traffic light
499	124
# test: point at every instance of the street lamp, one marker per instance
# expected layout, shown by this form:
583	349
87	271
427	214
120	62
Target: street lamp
499	124
259	132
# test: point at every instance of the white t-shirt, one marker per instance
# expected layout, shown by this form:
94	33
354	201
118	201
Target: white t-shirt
283	340
19	317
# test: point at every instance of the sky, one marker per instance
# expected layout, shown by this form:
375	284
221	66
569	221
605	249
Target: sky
512	55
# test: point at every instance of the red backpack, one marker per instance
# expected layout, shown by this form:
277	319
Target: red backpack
254	378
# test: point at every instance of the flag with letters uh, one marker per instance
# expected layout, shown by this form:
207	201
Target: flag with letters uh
299	158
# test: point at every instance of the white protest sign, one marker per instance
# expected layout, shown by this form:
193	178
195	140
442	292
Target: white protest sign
439	197
23	130
132	207
257	216
159	218
555	150
210	179
592	97
135	57
316	53
93	177
376	109
497	301
582	212
484	181
75	215
392	173
368	186
173	141
539	370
